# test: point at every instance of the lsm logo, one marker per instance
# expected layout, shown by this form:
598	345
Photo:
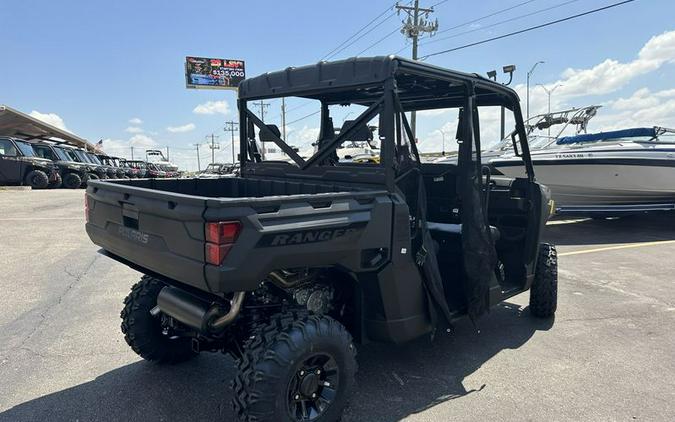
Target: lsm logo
310	236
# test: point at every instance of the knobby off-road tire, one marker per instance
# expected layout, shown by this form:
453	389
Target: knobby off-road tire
544	291
72	181
37	179
143	332
289	360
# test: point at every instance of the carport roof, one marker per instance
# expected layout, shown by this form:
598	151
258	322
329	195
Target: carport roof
17	124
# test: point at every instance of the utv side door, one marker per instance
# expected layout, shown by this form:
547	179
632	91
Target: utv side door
11	165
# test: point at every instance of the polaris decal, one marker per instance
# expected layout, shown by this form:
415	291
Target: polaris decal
310	236
132	234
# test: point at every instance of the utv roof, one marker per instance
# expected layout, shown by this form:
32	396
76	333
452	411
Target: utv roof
360	80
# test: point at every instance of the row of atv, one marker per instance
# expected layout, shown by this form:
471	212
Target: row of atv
42	164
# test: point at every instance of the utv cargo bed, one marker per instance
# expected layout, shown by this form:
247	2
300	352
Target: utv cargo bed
159	226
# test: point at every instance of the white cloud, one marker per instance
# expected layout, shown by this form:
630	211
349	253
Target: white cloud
643	108
433	113
134	129
181	129
49	118
605	78
135	121
212	107
610	75
142	141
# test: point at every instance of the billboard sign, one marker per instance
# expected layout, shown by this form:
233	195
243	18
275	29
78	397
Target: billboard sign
208	73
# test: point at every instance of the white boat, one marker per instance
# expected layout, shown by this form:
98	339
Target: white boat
606	173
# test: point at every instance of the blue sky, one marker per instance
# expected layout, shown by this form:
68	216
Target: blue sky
95	65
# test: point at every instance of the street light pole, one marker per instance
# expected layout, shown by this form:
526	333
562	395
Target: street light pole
442	134
529	74
549	92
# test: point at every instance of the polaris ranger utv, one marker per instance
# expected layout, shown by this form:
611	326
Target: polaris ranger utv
288	265
73	174
20	165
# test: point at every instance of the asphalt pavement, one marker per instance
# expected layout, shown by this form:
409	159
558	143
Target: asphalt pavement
607	356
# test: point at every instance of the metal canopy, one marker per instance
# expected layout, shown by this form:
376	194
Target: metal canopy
20	125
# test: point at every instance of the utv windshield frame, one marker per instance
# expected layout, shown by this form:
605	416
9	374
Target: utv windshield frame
389	87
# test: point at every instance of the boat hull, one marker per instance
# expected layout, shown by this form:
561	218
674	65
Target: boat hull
602	182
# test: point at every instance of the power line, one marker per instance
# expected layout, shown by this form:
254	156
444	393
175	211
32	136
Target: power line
357	32
439	3
362	35
303	118
379	41
532	28
498	12
371	30
515	18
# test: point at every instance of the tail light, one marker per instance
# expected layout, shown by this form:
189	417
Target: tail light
220	236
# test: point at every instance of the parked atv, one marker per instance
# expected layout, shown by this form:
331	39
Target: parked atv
72	174
288	265
20	165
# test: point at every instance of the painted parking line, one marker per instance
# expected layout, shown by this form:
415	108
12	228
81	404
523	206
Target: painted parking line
41	218
570	221
612	248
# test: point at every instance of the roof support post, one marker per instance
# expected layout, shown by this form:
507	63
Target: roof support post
387	132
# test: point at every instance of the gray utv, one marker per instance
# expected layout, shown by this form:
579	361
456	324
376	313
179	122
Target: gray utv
73	175
290	264
20	165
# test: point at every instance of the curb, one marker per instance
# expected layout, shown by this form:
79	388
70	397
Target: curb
14	188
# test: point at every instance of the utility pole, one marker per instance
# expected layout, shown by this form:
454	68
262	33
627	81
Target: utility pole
199	167
262	107
214	146
167	153
529	74
415	25
231	127
132	152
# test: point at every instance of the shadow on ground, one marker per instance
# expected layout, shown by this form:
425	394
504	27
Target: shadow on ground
394	381
629	229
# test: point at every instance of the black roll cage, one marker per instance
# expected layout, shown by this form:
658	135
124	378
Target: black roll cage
388	86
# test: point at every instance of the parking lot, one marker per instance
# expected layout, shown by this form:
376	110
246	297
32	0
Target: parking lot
607	356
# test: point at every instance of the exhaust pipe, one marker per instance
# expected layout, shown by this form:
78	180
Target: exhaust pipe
197	313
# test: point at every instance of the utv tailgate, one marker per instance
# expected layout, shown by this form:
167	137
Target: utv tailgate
160	231
164	232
